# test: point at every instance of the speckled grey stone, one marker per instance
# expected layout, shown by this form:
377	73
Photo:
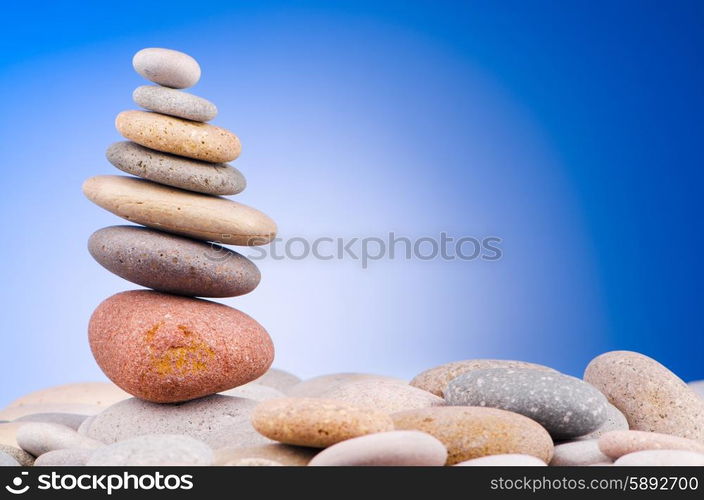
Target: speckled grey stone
175	103
176	171
219	421
24	458
65	457
72	420
167	67
615	421
173	264
7	460
152	450
566	406
38	438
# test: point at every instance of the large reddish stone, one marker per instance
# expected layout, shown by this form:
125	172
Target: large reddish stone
166	348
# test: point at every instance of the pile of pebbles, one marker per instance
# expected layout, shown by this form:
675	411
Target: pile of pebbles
164	345
628	409
192	383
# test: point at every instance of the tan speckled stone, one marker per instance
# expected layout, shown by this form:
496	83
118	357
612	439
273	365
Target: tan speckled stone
169	134
317	386
166	348
316	422
618	443
22	457
84	393
384	395
436	379
284	454
650	396
199	216
471	432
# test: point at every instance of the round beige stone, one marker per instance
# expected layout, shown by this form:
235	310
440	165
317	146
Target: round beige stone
198	216
661	458
471	432
201	141
618	443
85	393
651	397
435	379
316	422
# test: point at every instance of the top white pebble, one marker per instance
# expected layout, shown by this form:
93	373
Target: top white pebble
167	67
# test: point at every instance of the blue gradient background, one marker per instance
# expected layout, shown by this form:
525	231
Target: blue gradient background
572	130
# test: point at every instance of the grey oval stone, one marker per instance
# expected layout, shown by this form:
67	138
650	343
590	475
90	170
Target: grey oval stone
174	102
167	67
177	171
65	457
72	420
566	406
219	421
7	460
173	264
38	438
154	449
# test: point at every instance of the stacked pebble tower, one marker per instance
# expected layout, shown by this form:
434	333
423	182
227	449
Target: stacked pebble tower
164	345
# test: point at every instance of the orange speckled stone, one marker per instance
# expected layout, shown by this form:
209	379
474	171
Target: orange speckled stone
474	431
169	134
166	348
316	422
